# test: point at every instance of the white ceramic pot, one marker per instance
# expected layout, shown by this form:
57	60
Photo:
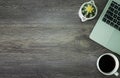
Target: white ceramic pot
82	17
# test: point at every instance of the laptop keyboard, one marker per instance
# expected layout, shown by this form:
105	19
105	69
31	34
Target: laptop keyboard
112	16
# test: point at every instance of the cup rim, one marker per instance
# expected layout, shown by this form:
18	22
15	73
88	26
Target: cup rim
116	64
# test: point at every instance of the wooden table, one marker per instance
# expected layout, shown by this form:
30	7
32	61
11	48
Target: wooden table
46	39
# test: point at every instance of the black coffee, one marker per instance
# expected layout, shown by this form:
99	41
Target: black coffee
107	63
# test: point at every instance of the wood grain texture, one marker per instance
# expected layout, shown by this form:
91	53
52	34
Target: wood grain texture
46	39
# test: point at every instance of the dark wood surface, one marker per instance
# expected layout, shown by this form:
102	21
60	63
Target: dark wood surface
46	39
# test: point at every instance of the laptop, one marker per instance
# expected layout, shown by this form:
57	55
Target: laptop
107	29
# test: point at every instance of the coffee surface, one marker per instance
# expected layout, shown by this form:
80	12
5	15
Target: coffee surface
107	64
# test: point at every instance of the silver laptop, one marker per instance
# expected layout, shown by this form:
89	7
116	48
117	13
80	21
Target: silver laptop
107	29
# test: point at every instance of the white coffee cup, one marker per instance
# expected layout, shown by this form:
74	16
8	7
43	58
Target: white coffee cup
103	64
